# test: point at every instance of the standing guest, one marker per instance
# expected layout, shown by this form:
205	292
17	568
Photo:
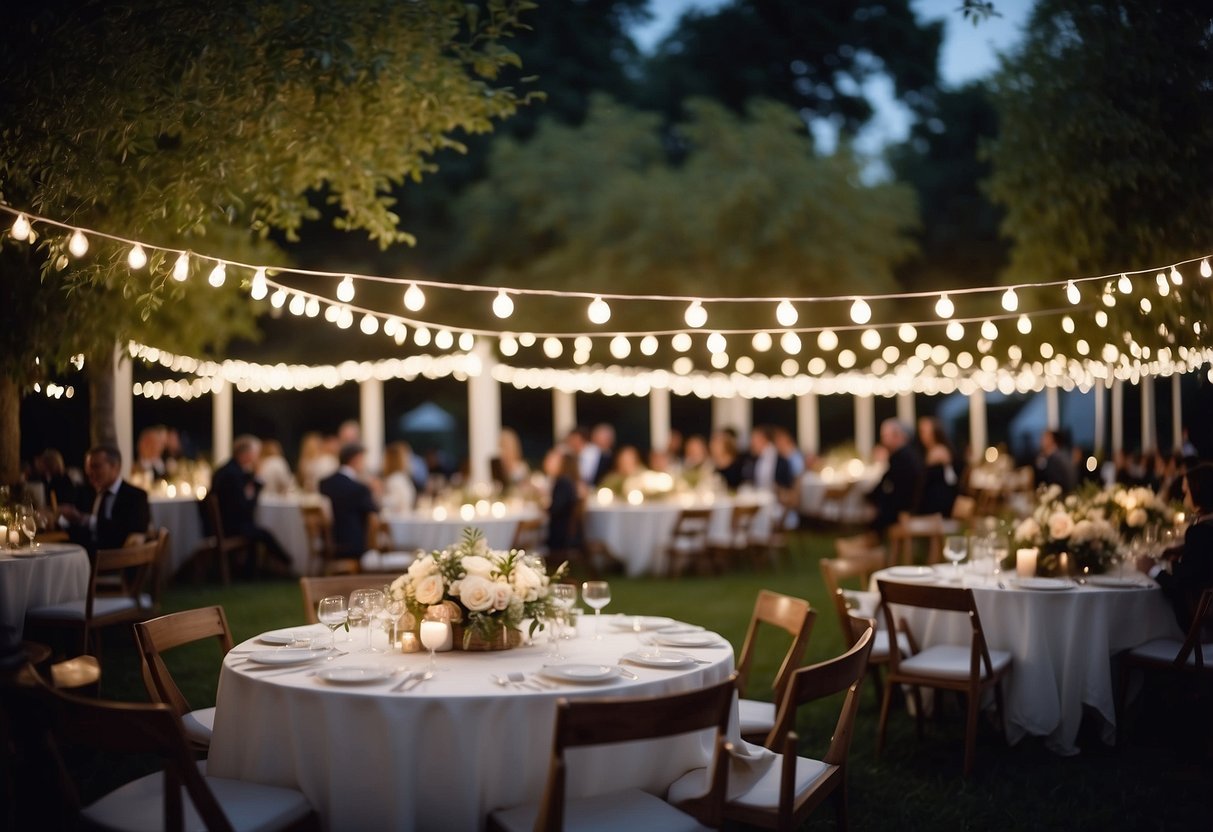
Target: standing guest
236	488
787	448
399	491
900	489
1053	465
351	500
315	462
940	479
273	469
588	455
149	455
603	438
112	509
564	495
765	469
509	467
726	459
1191	570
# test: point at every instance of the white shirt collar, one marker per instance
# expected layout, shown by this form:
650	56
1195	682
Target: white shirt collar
349	472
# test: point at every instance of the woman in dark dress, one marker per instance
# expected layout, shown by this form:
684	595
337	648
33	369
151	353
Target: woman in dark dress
1191	568
564	499
939	486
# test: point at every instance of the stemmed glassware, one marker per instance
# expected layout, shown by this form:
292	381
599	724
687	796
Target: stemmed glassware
596	594
392	610
27	522
563	596
955	547
331	611
433	635
365	604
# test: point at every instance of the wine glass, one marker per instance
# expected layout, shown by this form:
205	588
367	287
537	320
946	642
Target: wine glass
565	595
955	547
364	604
331	611
433	635
596	594
28	523
393	609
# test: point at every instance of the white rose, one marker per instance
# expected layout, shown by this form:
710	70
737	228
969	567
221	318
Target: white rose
477	593
1137	518
527	582
1084	530
422	567
503	593
477	565
428	590
397	587
1061	525
1028	530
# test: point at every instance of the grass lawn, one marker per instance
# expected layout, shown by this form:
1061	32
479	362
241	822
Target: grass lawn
1150	783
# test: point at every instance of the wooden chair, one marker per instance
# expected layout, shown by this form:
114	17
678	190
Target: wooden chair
133	566
861	605
584	722
178	797
159	635
859	546
528	535
314	589
970	670
911	528
795	617
740	543
321	558
219	545
688	544
82	673
794	786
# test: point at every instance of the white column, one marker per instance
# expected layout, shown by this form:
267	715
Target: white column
865	425
1100	416
1177	413
124	405
221	422
1149	433
564	414
905	408
979	438
1118	416
808	424
484	415
659	418
370	411
734	412
1052	409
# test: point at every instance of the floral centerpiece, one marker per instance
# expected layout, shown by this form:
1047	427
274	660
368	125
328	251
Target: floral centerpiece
1080	526
1137	508
485	594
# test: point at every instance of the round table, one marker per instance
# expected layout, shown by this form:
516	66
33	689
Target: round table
282	516
29	578
182	516
639	534
445	754
425	531
1061	642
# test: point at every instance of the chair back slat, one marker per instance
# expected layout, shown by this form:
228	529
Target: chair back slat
134	565
946	598
159	635
313	589
795	617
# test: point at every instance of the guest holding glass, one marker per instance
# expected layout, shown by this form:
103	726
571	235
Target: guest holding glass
236	489
111	510
351	500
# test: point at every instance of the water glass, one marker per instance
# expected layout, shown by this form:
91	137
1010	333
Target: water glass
596	594
955	547
365	604
331	611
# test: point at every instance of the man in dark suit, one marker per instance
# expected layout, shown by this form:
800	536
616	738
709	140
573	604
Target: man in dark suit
351	500
112	509
1054	466
236	488
900	488
765	468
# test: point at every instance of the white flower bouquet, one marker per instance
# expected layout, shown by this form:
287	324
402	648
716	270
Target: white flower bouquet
1081	526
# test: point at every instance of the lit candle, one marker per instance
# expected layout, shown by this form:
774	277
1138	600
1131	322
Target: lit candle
14	538
1025	562
408	643
1063	563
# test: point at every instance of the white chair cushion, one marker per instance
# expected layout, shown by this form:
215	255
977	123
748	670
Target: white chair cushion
199	724
880	644
862	603
764	794
1164	651
950	661
755	717
104	606
633	810
250	807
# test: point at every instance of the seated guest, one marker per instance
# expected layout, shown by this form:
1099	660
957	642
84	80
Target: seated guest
351	500
627	465
787	448
399	491
149	455
563	497
315	462
728	462
1054	466
765	469
236	488
58	488
696	464
111	509
1190	570
273	469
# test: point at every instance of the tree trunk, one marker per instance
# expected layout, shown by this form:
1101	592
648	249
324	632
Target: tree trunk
100	369
10	431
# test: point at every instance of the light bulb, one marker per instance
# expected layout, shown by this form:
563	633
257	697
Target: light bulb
1010	300
218	275
1176	277
257	291
870	339
761	341
444	340
278	300
508	345
716	343
907	333
345	319
137	259
955	331
78	244
421	336
1024	324
1205	269
526	339
789	367
621	347
681	342
846	359
989	331
312	308
599	311
944	306
552	347
827	340
785	313
297	305
581	356
369	324
745	365
696	316
1072	293
345	289
1101	318
181	269
1146	306
21	229
719	360
467	341
1125	285
583	343
861	313
683	365
1067	325
503	305
414	298
648	345
330	312
789	342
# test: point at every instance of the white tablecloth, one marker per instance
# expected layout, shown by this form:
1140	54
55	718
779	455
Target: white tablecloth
183	519
423	531
853	508
57	573
639	534
282	516
1062	643
447	753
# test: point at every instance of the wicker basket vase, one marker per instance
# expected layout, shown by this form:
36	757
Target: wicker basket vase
505	638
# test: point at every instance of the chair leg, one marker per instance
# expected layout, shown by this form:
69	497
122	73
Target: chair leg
840	805
971	731
920	712
225	570
884	716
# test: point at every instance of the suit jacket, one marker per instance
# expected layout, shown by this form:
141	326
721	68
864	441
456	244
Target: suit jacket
128	514
1191	573
1058	469
352	503
237	491
900	489
606	462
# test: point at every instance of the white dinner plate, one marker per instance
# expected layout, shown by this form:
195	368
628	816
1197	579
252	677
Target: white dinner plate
1117	582
285	655
678	628
911	573
704	639
668	660
1045	584
624	623
586	674
351	675
278	637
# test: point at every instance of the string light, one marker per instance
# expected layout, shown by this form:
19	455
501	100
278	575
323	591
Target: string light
1072	293
789	342
1205	269
681	342
716	343
181	268
421	336
599	311
21	228
1067	325
907	333
761	341
278	300
1024	324
870	339
1125	285
467	341
526	339
414	298
1176	277
583	343
552	347
648	345
218	275
369	324
827	340
944	307
508	345
503	305
696	316
988	330
259	288
785	313
297	305
137	259
620	347
312	308
955	331
444	340
78	244
861	313
345	289
1010	300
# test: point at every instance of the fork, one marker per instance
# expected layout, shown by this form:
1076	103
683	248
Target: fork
521	680
412	680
